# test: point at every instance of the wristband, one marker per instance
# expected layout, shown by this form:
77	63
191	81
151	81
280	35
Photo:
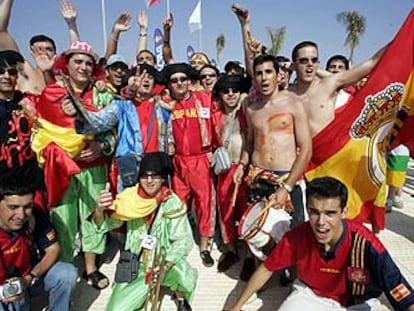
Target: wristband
143	34
166	42
287	187
242	164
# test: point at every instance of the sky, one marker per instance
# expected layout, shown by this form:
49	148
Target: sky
313	20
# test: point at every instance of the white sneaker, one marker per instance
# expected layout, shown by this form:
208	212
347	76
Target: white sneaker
398	202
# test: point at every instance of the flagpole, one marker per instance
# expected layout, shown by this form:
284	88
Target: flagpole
200	45
103	23
168	9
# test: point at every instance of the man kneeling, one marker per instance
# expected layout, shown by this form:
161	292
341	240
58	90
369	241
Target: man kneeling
341	265
28	253
156	221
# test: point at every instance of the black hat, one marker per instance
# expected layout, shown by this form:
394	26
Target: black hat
157	162
10	58
169	70
148	68
234	82
233	64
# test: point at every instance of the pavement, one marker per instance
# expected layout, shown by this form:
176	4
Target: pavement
217	290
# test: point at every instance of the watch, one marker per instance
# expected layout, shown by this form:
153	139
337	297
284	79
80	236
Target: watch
34	278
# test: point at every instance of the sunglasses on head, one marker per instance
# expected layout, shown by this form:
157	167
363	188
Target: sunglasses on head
208	75
176	80
10	71
227	90
307	60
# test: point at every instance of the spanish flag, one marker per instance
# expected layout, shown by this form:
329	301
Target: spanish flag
353	147
56	142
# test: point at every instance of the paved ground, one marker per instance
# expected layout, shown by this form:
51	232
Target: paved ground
217	290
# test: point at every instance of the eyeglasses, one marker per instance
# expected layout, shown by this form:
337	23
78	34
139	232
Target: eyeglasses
208	75
306	60
10	71
176	80
153	176
227	90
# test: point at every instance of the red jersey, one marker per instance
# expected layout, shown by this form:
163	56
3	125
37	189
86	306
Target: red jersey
334	275
186	124
20	248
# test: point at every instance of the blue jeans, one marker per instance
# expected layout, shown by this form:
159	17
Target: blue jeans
59	283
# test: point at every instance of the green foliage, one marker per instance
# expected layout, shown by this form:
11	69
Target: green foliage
277	38
355	24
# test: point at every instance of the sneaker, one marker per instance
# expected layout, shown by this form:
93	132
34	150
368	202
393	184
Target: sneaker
248	269
183	305
206	258
285	278
227	261
398	202
388	206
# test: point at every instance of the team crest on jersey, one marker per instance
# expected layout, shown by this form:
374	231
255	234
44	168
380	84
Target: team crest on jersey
379	109
358	275
400	292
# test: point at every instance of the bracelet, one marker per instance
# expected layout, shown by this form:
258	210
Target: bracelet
242	164
143	34
166	42
287	187
113	38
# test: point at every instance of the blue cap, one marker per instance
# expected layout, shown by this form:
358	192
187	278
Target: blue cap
116	58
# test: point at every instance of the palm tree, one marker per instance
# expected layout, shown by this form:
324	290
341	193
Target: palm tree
355	24
220	43
277	37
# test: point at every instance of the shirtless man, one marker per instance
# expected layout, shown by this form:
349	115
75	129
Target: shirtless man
277	129
319	95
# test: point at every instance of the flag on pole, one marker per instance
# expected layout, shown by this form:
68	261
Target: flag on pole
150	3
195	19
190	53
353	147
158	43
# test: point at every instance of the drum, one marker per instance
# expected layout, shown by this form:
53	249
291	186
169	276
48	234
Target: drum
263	228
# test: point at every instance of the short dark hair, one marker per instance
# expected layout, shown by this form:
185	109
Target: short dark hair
339	57
42	38
149	52
15	186
302	45
327	188
264	58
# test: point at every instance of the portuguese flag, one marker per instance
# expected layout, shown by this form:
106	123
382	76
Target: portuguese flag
354	146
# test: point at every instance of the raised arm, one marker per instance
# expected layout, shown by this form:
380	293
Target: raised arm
166	48
69	13
122	23
142	21
30	80
349	77
6	40
244	18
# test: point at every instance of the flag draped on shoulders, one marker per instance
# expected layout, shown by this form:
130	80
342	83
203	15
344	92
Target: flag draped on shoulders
56	142
353	147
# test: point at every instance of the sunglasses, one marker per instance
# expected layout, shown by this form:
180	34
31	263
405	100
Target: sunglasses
10	71
153	176
176	80
208	75
306	60
227	90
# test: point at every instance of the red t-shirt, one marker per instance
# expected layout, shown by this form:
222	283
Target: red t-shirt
144	110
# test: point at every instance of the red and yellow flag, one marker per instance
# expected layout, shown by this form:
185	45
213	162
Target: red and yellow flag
353	147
